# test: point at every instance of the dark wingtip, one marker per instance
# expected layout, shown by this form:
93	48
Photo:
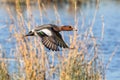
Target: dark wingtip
54	49
65	46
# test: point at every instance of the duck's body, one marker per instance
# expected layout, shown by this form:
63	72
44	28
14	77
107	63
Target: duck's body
50	36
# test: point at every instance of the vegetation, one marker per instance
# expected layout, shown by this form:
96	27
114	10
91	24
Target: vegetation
35	63
3	72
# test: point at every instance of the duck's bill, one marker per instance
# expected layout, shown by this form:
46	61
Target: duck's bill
74	29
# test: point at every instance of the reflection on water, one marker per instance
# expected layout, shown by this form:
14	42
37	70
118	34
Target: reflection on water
85	10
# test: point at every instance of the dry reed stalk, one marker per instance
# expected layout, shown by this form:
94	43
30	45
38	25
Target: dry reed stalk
45	11
27	55
103	24
112	55
40	9
28	13
94	18
58	20
4	72
4	75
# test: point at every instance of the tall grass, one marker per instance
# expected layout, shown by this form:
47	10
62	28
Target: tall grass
35	63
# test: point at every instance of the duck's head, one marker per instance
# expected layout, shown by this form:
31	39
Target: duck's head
31	33
67	28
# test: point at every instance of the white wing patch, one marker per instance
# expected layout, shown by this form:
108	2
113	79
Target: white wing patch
46	31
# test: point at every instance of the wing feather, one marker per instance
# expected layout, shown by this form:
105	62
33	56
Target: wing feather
59	40
47	42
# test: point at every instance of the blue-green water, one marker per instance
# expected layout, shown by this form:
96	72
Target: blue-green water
109	9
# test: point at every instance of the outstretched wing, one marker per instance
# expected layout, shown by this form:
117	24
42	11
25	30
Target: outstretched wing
49	42
59	40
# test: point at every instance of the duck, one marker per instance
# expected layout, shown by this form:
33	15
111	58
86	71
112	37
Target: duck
50	35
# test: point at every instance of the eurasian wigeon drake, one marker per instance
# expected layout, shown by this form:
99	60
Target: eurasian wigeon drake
50	36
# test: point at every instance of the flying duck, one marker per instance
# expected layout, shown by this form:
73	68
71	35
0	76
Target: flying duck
50	36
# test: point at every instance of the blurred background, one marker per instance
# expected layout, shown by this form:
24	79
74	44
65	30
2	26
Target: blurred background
61	12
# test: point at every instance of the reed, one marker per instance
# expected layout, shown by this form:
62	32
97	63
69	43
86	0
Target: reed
4	75
4	72
35	63
44	1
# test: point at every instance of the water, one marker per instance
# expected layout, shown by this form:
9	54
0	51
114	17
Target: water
107	8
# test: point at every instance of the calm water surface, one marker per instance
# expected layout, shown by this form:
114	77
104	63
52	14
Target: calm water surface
110	9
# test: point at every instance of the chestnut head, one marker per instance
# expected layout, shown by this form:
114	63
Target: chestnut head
67	28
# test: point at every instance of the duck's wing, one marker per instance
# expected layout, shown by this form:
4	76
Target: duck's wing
49	42
52	43
59	40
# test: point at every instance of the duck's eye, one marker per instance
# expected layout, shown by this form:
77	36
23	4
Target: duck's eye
69	26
